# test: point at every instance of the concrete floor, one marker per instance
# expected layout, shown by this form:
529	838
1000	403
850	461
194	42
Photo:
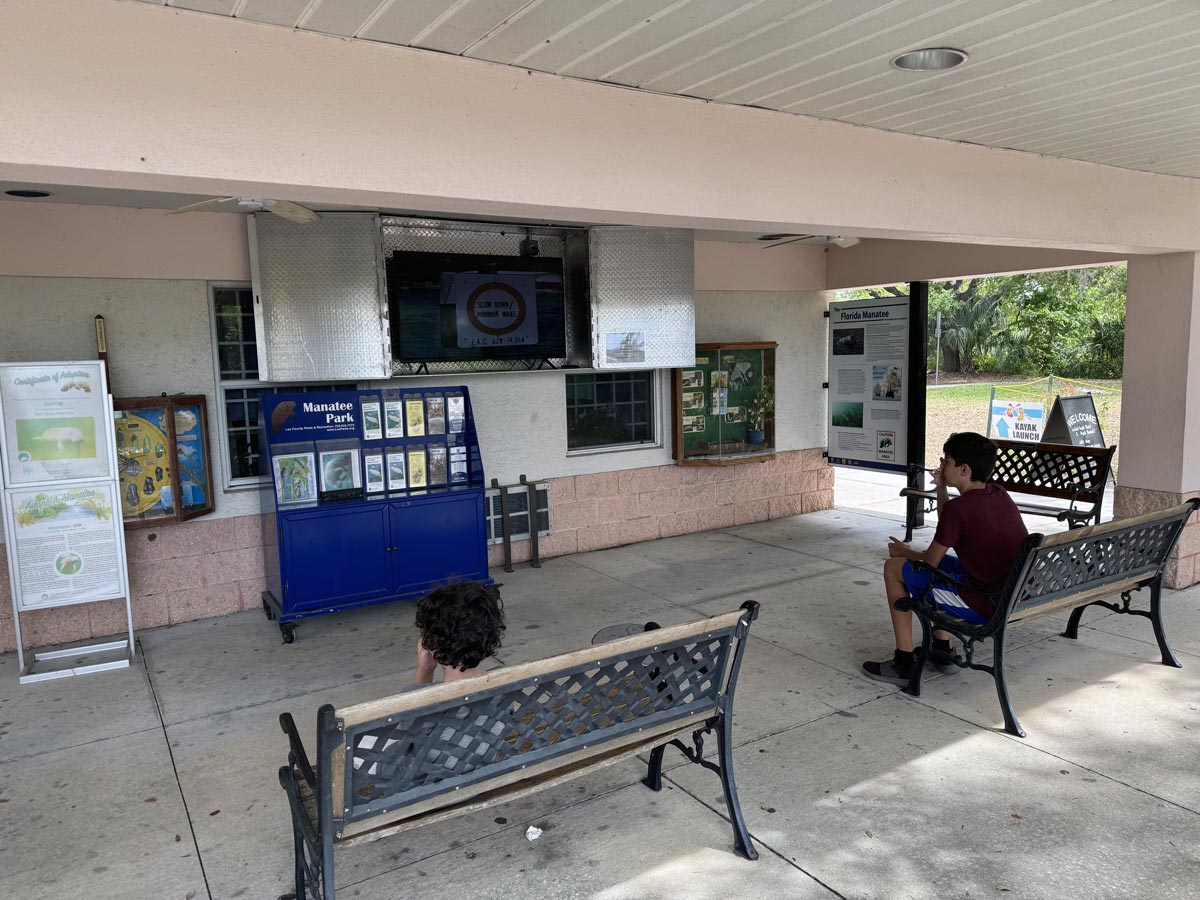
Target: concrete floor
159	781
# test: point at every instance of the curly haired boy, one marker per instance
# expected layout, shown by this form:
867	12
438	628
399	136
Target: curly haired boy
461	625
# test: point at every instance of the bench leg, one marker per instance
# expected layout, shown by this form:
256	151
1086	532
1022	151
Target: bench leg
1011	725
741	836
1168	657
327	887
301	893
1072	631
653	779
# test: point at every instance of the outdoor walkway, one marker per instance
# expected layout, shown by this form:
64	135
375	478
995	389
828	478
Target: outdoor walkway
159	782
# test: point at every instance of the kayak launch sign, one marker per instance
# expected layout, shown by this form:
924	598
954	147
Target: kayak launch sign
1017	421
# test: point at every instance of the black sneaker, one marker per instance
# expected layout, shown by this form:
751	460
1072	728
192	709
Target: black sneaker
942	660
886	672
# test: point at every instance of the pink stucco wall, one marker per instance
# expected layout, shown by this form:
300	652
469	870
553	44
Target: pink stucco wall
75	240
875	262
140	96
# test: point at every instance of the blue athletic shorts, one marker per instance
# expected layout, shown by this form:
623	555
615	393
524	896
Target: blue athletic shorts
946	595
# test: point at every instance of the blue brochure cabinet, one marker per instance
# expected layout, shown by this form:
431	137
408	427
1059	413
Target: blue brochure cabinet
377	495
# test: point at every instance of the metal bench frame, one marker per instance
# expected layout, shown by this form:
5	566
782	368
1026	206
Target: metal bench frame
1070	570
423	756
1058	471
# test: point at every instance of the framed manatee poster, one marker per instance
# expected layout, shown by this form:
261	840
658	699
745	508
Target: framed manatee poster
55	422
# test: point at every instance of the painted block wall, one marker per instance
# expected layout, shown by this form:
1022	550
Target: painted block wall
160	340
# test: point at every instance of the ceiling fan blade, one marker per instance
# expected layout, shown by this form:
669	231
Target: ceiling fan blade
293	212
213	204
799	237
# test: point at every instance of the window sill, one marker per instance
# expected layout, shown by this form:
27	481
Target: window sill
615	448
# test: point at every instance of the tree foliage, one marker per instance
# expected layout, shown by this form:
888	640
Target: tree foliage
1068	322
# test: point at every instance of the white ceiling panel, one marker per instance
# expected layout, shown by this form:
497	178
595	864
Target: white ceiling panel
399	22
651	37
274	12
608	24
687	42
220	7
341	17
538	22
1108	81
466	23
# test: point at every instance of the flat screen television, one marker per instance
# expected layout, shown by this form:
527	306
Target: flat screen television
465	307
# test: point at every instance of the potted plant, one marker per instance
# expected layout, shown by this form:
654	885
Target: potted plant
758	410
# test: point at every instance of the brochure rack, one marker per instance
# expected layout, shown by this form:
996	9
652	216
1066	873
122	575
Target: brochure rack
376	496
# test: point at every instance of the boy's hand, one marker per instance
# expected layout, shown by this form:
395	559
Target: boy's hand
426	665
935	475
897	547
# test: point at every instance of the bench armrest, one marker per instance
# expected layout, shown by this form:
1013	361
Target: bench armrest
288	724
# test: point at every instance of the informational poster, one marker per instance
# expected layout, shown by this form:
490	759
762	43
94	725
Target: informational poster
55	422
65	543
1014	420
868	376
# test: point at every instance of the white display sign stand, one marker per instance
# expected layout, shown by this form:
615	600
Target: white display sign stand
868	378
62	510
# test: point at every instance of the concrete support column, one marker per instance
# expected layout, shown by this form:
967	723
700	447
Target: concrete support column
1160	410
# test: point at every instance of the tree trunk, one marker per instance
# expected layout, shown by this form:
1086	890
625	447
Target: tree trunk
950	360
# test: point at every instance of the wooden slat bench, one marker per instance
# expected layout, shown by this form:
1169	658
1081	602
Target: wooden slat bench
1070	570
426	755
1078	475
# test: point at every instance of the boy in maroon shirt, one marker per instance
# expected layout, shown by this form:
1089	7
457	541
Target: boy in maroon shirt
983	527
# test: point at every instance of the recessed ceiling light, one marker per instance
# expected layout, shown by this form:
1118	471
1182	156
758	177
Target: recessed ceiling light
930	59
28	195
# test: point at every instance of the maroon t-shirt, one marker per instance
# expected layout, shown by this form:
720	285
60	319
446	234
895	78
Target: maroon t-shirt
985	530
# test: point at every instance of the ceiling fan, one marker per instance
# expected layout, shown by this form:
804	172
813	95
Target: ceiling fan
293	212
778	240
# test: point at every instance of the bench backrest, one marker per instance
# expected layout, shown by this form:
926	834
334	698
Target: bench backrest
517	723
1053	470
1068	568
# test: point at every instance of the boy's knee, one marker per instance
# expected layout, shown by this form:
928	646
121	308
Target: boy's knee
893	567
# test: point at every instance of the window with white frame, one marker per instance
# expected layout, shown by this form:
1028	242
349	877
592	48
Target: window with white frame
238	384
610	409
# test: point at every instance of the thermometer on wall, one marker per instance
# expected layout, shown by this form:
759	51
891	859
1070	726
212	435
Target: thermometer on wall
102	346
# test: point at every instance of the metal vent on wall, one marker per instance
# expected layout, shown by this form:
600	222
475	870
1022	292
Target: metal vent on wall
320	309
643	297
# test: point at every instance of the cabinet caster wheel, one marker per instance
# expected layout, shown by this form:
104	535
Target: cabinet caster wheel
289	633
267	611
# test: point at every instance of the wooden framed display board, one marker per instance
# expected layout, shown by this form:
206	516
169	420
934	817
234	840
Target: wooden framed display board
62	515
723	408
376	496
162	458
